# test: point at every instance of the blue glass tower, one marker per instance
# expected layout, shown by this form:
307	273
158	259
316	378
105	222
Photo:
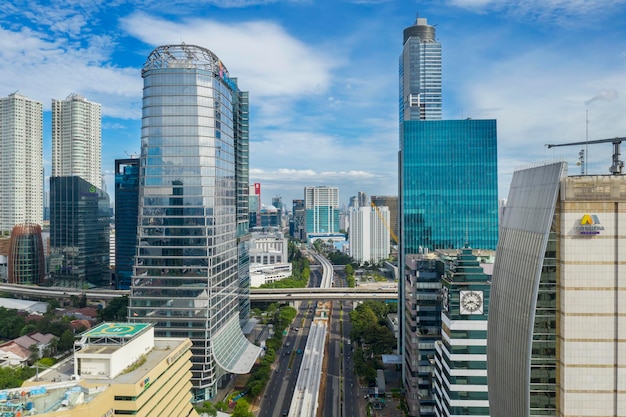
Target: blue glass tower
126	211
449	184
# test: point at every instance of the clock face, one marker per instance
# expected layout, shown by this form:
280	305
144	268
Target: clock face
471	302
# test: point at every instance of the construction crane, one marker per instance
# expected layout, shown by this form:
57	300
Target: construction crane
382	219
616	166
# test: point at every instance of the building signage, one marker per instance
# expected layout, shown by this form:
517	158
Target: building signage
589	225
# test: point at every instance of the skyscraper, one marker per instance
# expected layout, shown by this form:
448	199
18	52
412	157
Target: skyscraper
448	197
321	206
79	208
77	139
21	161
420	73
187	272
556	319
449	183
126	212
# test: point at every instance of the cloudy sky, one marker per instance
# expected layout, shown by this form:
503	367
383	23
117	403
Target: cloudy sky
323	76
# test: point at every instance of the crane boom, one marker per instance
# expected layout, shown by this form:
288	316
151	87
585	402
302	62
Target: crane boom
616	166
382	219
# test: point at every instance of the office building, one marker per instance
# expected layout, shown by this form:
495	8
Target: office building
460	380
21	161
118	369
449	184
556	314
80	218
321	210
26	256
296	224
126	212
390	201
255	204
420	73
368	234
187	271
77	139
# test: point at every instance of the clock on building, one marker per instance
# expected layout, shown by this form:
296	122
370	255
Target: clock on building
471	302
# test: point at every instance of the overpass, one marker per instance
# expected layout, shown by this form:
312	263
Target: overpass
256	294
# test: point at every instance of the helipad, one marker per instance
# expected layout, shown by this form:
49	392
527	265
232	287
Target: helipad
121	330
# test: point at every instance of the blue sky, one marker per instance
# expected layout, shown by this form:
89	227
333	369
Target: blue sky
323	76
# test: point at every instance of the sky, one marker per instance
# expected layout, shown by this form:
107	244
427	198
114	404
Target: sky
323	77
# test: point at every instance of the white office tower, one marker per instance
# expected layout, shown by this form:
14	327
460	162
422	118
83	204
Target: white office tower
186	273
77	139
21	161
368	234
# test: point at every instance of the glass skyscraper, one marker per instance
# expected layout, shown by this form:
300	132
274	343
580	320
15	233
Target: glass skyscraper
187	277
321	210
420	73
449	183
126	212
447	197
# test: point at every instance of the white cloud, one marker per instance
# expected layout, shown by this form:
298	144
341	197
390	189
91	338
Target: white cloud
266	59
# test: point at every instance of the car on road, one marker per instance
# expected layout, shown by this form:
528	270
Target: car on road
285	412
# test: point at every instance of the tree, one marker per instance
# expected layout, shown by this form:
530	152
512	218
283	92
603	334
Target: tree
116	310
242	409
67	341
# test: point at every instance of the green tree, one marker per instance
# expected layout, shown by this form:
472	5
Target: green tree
67	341
242	409
116	310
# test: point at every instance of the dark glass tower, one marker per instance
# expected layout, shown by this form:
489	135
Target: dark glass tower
192	254
79	233
126	211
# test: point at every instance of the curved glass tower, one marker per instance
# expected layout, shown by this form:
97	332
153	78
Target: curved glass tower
186	276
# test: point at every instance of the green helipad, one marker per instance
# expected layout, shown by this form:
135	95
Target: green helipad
126	330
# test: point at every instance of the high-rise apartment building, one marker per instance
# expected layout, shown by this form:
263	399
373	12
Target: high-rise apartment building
187	273
368	234
77	139
21	161
448	196
556	319
420	73
322	210
126	212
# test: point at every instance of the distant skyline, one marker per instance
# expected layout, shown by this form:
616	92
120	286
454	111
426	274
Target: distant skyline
323	77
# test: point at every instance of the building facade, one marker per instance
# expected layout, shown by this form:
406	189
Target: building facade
460	380
77	139
321	206
187	273
449	184
79	233
296	224
26	261
119	369
21	161
420	73
126	212
555	316
368	235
